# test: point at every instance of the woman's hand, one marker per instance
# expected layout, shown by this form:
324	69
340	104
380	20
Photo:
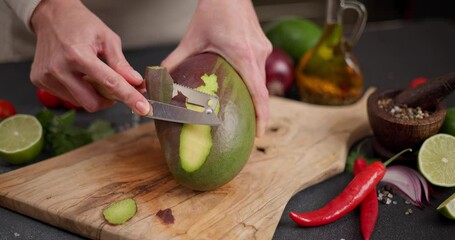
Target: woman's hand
71	46
230	29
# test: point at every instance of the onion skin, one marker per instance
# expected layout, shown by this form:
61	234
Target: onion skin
279	72
409	183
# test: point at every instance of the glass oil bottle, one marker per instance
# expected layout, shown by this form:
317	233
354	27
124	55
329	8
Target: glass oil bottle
329	73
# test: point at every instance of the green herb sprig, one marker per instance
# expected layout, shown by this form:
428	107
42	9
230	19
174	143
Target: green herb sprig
61	135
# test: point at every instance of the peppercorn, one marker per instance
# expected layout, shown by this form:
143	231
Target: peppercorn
402	111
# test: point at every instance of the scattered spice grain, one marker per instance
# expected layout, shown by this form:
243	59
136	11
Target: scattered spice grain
402	111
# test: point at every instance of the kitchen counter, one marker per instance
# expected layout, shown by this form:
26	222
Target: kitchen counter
390	55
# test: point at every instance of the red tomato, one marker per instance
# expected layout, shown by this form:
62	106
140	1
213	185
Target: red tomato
417	81
47	99
6	109
69	105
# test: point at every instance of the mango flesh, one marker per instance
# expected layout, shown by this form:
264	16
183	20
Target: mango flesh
121	211
193	155
231	143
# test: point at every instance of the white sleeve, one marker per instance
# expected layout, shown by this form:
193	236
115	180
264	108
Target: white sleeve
23	9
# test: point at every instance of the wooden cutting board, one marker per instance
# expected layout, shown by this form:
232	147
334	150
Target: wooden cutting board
304	144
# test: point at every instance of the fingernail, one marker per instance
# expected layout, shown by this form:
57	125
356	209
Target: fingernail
137	75
142	107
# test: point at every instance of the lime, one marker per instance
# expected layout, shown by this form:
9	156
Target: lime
447	208
449	122
436	160
293	35
21	138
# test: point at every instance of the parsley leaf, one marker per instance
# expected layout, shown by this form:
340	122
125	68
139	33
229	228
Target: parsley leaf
357	151
61	135
100	129
353	155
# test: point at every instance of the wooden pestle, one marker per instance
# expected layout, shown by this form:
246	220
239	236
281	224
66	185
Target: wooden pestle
429	94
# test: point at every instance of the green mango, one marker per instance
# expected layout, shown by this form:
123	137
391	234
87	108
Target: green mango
206	157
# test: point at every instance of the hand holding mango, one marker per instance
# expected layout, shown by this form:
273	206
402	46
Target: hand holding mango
230	29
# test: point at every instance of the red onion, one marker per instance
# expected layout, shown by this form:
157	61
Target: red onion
409	183
279	72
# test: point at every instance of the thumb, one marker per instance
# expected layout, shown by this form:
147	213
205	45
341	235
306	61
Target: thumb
177	56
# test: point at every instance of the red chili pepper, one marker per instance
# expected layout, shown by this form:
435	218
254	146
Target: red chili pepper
369	205
417	81
360	186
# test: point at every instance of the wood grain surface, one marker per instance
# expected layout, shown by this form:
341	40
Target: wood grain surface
304	144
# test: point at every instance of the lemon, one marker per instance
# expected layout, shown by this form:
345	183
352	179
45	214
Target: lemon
436	160
447	208
21	138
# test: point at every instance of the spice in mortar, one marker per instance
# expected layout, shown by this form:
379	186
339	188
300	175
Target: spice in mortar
402	111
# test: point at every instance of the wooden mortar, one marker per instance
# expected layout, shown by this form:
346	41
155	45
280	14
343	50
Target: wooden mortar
394	134
429	94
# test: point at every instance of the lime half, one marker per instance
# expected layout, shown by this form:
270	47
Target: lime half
436	160
21	138
447	208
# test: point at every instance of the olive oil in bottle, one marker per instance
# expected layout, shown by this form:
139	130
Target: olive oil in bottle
329	74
